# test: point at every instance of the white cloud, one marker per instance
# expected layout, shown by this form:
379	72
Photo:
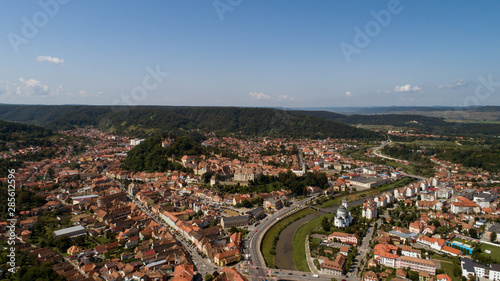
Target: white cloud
259	96
280	98
407	89
32	87
26	91
455	84
7	88
285	97
50	59
86	94
348	93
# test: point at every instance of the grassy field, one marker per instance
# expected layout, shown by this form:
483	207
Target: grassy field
472	121
433	143
268	241
446	265
77	217
231	213
382	127
495	251
299	242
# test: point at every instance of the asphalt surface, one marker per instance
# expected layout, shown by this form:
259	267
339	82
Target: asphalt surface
202	265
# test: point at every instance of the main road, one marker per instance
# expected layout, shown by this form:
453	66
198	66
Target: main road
257	265
376	151
202	265
252	243
258	269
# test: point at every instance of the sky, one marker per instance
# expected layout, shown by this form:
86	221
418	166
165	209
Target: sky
255	53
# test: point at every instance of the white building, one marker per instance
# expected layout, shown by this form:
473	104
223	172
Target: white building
491	272
136	141
343	217
370	210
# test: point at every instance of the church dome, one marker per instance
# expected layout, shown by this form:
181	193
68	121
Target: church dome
342	211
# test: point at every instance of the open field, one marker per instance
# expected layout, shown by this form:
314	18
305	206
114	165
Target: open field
383	128
433	143
495	251
231	213
80	216
473	121
446	265
273	234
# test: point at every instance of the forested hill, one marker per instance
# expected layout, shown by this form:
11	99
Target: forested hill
146	120
379	119
419	123
17	136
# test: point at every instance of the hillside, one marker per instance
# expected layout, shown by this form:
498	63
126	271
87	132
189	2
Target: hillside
379	119
419	123
17	136
147	120
150	156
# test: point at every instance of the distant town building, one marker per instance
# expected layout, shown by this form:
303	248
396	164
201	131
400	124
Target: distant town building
136	141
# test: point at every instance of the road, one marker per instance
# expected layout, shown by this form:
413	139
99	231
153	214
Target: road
252	243
202	266
376	151
258	269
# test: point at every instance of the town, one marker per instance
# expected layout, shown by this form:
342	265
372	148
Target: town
217	217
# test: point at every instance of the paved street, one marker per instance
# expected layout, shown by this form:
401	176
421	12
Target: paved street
202	266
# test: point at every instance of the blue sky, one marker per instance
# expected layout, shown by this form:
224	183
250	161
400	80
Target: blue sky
250	53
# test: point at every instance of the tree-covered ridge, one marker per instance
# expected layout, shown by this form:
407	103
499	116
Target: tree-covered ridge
150	156
147	120
289	181
400	120
483	157
418	123
487	159
25	200
17	136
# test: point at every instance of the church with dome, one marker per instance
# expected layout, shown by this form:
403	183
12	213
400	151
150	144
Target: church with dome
343	217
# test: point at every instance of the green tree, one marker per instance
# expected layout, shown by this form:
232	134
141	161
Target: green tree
413	275
325	223
316	263
209	277
245	203
493	236
473	233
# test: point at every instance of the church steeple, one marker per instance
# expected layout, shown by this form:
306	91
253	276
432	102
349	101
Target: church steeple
344	202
